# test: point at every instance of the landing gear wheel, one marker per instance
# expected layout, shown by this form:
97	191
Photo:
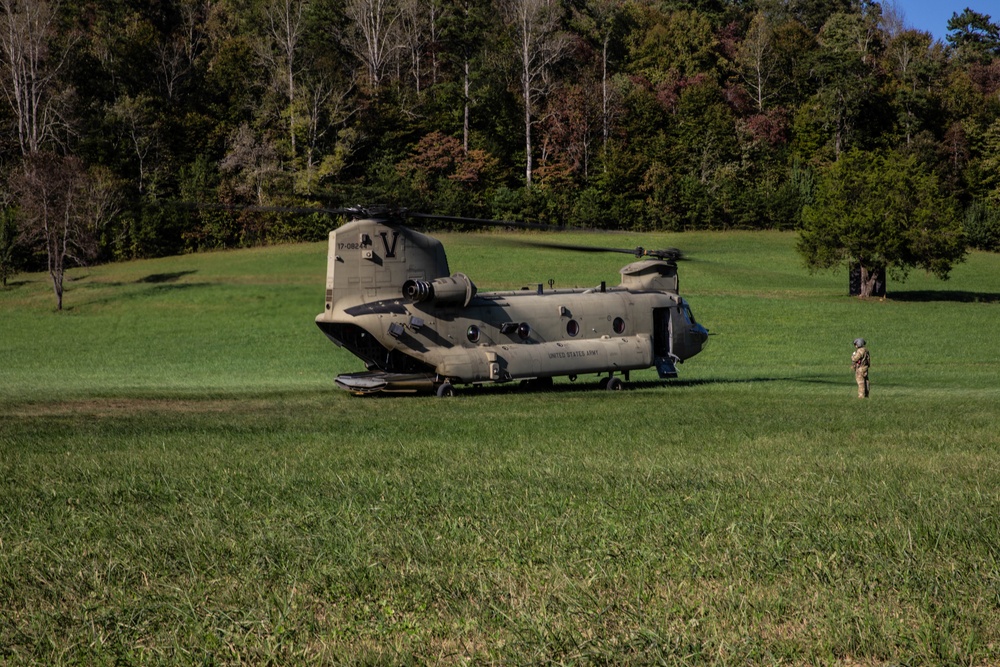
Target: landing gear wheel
615	384
603	383
445	390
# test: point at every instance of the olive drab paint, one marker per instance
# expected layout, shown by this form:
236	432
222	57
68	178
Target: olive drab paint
392	301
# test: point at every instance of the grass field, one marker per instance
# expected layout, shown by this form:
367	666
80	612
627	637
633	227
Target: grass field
180	483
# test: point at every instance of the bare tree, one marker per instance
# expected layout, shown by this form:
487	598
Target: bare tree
31	69
599	20
285	25
138	128
325	106
253	160
63	207
893	18
176	54
436	16
757	60
420	27
540	45
415	27
374	40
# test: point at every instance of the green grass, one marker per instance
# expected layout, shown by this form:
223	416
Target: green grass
181	483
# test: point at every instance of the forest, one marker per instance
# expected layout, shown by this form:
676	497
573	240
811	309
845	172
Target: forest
169	126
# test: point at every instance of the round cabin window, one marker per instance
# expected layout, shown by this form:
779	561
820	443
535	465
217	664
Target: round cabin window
619	325
524	330
573	327
473	333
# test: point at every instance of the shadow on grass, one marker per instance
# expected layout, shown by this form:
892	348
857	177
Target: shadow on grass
591	385
955	296
160	278
156	283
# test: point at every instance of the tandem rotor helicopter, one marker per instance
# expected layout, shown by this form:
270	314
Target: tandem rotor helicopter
392	301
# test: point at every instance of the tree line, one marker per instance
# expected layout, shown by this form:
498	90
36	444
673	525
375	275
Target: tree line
125	115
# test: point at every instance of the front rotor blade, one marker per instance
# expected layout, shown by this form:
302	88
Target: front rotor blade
351	211
485	222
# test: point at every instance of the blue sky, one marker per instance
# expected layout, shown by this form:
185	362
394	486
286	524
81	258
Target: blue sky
932	15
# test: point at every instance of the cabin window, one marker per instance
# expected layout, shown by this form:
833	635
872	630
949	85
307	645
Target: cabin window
524	330
473	333
572	327
618	325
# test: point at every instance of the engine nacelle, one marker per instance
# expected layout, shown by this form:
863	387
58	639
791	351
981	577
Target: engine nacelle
457	290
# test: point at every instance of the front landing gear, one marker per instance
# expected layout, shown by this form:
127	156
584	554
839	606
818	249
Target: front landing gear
445	389
611	383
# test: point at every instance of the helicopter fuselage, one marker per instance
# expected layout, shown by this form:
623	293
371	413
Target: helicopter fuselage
392	303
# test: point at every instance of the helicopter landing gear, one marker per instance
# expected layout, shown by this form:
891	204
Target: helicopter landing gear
445	390
537	384
611	383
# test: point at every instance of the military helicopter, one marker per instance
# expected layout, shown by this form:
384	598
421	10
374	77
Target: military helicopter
392	301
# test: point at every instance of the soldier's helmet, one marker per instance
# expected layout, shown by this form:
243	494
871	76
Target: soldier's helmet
859	342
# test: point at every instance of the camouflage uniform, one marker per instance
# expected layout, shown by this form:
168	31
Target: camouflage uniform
861	359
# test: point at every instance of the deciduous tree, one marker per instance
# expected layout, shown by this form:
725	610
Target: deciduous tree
284	25
31	67
374	37
541	43
63	208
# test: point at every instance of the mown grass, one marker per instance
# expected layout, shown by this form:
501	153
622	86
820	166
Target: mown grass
180	483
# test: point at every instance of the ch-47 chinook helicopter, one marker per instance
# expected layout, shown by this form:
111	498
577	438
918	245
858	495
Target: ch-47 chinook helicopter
392	301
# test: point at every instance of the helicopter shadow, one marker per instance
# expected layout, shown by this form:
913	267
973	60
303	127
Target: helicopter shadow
588	386
953	296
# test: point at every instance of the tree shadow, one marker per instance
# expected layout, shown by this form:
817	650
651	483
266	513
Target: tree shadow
159	278
955	296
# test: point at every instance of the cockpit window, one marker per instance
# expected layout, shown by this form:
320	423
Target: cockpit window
688	315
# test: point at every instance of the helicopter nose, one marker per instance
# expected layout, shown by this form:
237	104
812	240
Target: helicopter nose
700	334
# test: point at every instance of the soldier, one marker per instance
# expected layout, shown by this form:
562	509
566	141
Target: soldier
861	359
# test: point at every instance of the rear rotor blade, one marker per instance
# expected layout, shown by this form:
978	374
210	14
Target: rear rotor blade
669	254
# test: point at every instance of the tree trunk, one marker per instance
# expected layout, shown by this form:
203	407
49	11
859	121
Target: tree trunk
526	84
605	131
527	144
875	277
868	279
465	112
57	287
56	271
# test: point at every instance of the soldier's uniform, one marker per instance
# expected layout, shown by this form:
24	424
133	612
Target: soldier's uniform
861	360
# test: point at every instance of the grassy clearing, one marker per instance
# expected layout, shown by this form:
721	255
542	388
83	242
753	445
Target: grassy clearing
179	482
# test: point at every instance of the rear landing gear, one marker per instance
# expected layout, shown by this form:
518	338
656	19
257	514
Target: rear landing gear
445	390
